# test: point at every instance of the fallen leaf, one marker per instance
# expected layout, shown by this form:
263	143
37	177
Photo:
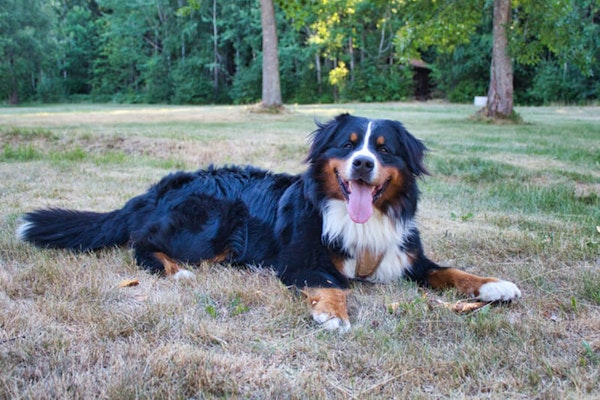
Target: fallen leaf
466	307
129	283
462	306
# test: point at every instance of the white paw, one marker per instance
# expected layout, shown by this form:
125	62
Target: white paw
499	291
183	274
331	323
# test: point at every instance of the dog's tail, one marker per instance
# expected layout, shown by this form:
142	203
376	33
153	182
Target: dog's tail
82	230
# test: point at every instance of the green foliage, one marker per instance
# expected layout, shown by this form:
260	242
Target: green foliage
246	85
188	90
442	24
464	73
568	29
386	83
79	30
566	84
457	37
158	80
199	52
27	48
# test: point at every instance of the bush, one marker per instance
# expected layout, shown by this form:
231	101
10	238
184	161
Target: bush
390	83
158	81
564	84
191	86
465	72
246	87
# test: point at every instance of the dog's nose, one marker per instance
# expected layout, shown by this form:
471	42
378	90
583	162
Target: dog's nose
362	165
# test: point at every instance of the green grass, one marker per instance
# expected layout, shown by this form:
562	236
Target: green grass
521	202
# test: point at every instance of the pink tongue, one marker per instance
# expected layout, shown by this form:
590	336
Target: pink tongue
360	203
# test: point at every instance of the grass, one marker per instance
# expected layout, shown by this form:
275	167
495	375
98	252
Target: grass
520	202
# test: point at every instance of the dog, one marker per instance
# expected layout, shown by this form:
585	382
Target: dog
349	217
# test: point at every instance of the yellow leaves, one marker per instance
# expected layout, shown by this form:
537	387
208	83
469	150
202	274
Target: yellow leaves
338	75
331	22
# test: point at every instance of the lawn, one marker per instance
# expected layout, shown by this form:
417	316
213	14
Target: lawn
521	202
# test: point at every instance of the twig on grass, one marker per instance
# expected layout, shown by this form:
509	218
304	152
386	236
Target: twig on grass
362	393
12	339
377	385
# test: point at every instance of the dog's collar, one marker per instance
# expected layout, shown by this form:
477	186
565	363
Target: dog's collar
367	263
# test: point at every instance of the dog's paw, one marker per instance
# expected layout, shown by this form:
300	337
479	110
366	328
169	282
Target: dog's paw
498	291
183	274
331	323
328	308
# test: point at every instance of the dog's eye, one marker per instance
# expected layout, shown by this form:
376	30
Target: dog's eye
348	145
383	150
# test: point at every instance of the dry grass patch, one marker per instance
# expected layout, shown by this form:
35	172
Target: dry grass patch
68	330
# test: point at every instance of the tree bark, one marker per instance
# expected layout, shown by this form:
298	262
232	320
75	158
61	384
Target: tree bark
500	93
216	55
271	89
351	56
319	77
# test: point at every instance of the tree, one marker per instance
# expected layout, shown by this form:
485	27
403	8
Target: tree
271	87
78	31
26	48
500	92
212	51
352	43
561	28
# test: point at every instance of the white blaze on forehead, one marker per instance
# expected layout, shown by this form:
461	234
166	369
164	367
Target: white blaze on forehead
364	151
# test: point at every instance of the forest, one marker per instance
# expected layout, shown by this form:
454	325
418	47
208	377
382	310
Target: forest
209	51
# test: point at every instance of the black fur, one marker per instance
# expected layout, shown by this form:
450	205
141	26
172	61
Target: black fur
252	216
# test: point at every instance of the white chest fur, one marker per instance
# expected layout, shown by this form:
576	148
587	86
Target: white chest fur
380	235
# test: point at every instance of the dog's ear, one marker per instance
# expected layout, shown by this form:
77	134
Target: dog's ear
323	135
415	150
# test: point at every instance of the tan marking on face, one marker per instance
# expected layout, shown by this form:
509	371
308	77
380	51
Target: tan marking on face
331	185
394	187
380	141
354	137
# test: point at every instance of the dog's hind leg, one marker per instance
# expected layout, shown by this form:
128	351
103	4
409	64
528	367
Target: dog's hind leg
198	229
171	267
159	263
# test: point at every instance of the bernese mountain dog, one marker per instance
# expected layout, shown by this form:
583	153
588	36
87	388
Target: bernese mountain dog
349	217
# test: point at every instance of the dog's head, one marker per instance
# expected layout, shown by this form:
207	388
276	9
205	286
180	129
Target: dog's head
368	163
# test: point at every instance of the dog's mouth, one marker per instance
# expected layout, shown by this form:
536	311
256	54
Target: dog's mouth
360	196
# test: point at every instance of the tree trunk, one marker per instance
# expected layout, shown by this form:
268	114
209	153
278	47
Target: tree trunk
271	89
351	55
319	78
14	94
500	93
217	57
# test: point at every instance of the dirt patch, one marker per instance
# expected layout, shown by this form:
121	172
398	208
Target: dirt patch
122	114
538	163
584	190
270	154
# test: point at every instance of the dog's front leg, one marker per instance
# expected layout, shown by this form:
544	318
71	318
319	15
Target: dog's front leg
484	289
329	307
